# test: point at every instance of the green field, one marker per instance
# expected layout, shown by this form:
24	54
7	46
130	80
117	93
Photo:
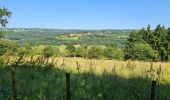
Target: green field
94	81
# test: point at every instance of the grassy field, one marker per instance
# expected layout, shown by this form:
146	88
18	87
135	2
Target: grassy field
90	80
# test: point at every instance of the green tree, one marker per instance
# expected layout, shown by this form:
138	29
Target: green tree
142	51
56	51
47	52
1	35
94	52
7	47
4	15
168	38
113	53
28	49
81	52
70	48
157	39
108	53
133	38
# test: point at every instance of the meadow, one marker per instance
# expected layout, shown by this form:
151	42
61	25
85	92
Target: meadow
90	79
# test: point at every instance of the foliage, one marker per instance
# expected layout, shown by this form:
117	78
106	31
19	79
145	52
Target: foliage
81	51
48	36
142	51
1	35
4	15
7	47
56	51
94	52
158	39
70	48
113	53
47	51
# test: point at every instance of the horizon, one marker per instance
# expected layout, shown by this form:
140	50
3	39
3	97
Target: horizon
87	14
63	28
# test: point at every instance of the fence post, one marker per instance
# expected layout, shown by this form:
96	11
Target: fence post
68	86
78	66
13	79
153	91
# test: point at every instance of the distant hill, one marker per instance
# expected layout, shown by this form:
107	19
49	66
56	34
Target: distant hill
37	36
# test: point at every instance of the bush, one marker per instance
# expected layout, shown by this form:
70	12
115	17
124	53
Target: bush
95	52
113	53
48	52
81	52
7	47
70	48
142	51
56	51
1	35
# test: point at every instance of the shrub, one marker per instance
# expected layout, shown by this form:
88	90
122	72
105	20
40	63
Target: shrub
113	53
56	51
7	47
81	52
48	51
95	52
142	51
1	35
70	48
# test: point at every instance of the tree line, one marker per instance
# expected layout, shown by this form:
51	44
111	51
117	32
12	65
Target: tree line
147	44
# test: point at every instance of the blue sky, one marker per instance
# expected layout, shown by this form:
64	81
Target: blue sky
88	14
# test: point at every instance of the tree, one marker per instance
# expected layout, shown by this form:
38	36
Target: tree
1	35
113	53
158	39
134	37
81	52
108	53
27	49
48	52
168	38
56	51
7	47
70	48
94	52
4	15
142	51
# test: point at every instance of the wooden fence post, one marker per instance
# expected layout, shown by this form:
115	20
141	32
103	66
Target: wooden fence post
153	91
68	86
78	65
13	79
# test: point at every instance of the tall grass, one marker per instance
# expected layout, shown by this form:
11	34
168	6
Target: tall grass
37	79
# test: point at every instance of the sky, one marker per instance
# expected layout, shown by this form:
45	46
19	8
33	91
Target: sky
87	14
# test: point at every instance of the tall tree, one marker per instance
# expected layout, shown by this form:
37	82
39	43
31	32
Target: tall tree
158	39
4	15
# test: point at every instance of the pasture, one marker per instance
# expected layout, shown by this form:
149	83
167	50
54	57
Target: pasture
90	79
